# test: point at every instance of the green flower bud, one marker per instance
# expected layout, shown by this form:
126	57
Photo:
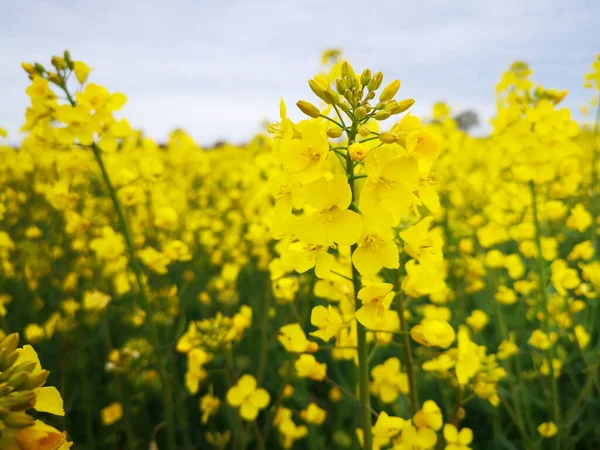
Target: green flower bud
347	70
365	77
18	379
364	130
360	112
39	68
309	109
370	96
11	341
389	91
382	115
387	137
345	106
37	380
402	106
331	97
340	86
18	420
375	82
334	132
317	89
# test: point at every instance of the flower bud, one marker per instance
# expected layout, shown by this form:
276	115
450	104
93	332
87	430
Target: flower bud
387	137
360	112
365	77
345	106
18	379
389	91
382	115
402	106
375	81
11	341
370	96
28	68
347	70
68	60
331	97
36	380
55	78
58	62
334	132
364	130
309	109
8	361
39	68
340	86
18	420
317	89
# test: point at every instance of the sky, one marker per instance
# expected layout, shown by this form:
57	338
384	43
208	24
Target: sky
218	68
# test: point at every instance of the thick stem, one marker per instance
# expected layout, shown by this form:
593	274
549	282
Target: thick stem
544	296
361	334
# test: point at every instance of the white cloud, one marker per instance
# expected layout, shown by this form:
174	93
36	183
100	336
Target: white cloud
218	68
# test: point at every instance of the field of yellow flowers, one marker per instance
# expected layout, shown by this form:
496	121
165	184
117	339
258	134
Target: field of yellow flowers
363	278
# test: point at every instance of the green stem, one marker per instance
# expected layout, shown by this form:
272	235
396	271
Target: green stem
361	334
408	357
544	295
131	440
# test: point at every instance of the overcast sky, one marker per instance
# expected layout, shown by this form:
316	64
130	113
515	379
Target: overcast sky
218	68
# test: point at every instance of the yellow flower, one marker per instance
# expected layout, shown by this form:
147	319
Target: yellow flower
387	426
327	320
308	367
582	336
505	295
40	436
294	340
541	340
95	300
111	413
376	300
477	320
313	414
331	221
388	380
376	246
209	405
247	397
580	219
547	429
304	257
430	415
433	333
456	440
305	156
81	71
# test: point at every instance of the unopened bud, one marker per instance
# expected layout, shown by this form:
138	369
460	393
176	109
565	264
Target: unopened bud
389	91
364	130
18	379
387	137
23	400
347	70
68	60
309	109
376	81
8	361
402	106
345	106
58	62
370	96
36	380
382	115
18	420
317	88
334	132
39	68
11	341
54	78
365	77
28	68
360	112
340	86
331	97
